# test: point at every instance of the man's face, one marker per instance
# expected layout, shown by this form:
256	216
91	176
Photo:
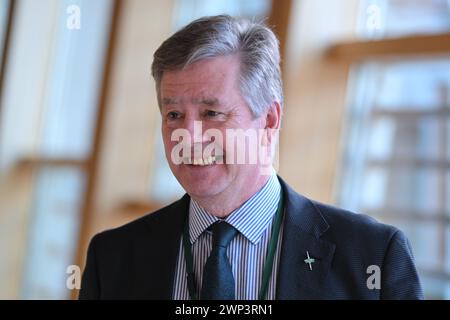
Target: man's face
207	91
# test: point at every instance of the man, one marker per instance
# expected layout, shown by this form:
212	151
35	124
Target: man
240	232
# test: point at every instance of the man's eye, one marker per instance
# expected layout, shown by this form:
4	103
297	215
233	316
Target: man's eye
211	113
173	115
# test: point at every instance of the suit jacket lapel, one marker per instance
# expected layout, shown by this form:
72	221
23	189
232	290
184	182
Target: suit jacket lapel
157	264
303	227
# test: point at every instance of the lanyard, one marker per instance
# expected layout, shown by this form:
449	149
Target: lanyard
268	266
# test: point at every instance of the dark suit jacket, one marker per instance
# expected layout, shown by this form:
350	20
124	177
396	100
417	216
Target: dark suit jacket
138	260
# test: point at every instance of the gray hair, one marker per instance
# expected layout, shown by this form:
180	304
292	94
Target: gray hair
208	37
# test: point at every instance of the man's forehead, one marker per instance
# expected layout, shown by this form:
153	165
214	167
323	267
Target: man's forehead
203	72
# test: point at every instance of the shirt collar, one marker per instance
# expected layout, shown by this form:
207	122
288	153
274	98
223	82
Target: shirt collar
251	219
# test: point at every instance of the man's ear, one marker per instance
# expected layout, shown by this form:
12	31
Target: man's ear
273	120
273	117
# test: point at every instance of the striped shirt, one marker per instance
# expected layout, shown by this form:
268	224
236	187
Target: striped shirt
247	251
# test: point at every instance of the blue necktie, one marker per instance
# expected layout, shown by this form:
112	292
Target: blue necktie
218	280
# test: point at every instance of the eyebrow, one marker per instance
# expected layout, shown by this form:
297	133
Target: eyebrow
207	101
210	102
169	101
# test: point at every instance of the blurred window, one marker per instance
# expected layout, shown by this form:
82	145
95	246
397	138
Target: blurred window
49	106
396	164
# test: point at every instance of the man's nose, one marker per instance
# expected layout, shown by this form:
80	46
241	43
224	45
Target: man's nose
195	128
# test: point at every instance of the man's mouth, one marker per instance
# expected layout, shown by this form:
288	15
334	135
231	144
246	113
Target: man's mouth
205	161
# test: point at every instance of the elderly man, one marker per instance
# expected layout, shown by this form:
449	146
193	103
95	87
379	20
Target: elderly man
240	232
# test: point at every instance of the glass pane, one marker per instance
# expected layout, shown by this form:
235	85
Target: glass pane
393	18
429	138
412	84
381	138
188	10
403	190
56	116
420	136
374	189
75	79
53	233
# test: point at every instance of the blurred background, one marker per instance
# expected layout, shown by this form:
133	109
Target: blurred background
366	122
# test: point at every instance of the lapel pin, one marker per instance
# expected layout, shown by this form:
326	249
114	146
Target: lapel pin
309	260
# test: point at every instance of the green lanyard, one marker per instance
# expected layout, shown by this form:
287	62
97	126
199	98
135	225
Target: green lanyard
268	266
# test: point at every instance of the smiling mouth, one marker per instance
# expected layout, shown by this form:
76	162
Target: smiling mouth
205	161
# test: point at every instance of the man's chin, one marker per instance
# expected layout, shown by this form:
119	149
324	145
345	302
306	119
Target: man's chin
201	190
